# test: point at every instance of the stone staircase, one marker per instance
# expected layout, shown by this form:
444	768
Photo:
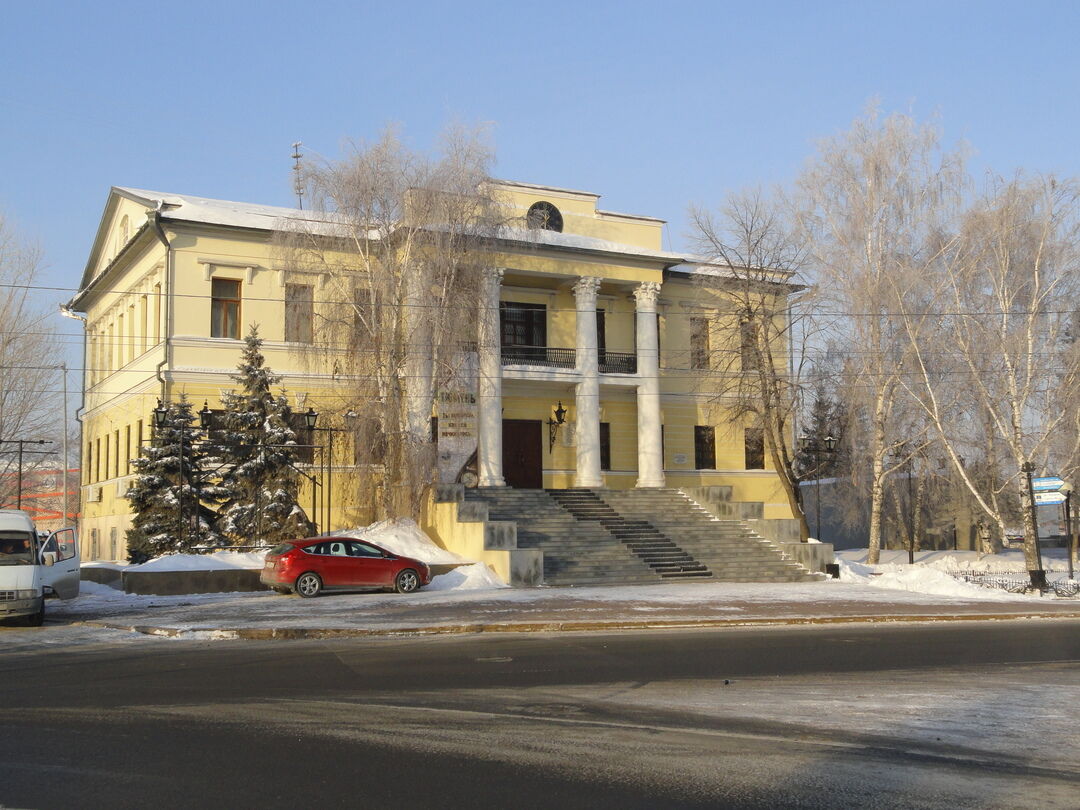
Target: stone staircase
729	547
575	553
629	537
639	536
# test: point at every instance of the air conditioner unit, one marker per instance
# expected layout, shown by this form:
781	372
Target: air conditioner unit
93	494
123	486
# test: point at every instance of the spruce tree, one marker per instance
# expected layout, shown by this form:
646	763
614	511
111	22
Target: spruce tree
169	492
257	447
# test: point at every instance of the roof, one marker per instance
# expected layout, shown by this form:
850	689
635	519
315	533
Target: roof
235	214
188	208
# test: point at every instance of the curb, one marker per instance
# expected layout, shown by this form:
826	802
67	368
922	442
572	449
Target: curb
294	633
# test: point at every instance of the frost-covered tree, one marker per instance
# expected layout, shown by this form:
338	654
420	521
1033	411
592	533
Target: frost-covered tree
170	494
257	451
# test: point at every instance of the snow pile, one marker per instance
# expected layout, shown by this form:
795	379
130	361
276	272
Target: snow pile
404	538
219	560
918	579
475	577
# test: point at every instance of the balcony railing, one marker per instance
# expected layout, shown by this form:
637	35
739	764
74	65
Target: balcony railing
538	356
610	362
618	363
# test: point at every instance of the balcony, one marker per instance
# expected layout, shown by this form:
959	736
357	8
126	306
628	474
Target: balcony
538	356
552	357
618	363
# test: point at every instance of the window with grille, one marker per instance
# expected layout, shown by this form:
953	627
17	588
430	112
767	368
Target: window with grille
754	448
225	308
299	312
704	447
523	324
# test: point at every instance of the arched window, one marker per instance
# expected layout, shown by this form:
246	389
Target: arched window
544	216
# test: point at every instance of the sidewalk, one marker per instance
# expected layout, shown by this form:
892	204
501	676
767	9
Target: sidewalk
263	616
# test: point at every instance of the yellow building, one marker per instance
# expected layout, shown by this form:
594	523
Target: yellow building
588	320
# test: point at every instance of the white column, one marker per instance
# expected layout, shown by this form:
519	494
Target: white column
587	431
489	387
650	444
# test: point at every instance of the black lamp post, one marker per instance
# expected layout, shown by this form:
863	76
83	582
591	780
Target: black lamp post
825	449
1038	576
1067	489
553	425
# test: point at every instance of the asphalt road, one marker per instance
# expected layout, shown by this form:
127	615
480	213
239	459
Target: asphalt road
953	715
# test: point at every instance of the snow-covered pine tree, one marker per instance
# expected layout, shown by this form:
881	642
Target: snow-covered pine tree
169	494
257	447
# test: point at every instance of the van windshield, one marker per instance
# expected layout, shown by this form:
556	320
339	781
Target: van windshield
16	548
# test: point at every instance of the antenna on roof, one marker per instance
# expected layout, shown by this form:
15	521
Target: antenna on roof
298	181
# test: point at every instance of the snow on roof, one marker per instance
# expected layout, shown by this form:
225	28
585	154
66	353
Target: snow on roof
225	212
189	208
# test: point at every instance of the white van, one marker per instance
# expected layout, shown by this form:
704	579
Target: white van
32	569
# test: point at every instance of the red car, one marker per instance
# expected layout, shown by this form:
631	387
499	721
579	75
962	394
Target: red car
312	565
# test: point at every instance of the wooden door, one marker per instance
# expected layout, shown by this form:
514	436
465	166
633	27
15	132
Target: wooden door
523	462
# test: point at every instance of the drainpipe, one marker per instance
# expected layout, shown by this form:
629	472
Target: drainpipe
155	219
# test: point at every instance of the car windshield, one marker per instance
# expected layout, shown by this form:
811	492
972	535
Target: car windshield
16	548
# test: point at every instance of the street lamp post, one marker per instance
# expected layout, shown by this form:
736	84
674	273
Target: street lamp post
311	417
1067	489
1038	576
818	451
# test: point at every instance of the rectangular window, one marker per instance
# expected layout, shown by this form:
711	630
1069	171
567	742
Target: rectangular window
754	444
157	314
605	446
704	447
105	466
88	468
748	350
116	453
225	308
129	345
127	449
601	335
369	441
305	439
699	343
299	312
120	359
138	438
144	323
523	324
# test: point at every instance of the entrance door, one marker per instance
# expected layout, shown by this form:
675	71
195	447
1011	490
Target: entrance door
523	464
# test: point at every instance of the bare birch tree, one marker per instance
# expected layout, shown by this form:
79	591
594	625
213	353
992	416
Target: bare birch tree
29	401
1001	341
871	200
757	378
399	240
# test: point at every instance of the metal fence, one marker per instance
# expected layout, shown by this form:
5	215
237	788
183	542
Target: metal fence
1019	582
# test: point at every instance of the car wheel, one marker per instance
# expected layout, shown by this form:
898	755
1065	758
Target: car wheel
406	581
308	585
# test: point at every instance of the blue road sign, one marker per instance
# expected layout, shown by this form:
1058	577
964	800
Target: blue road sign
1050	483
1049	498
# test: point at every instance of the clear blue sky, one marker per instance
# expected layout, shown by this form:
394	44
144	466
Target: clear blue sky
653	105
